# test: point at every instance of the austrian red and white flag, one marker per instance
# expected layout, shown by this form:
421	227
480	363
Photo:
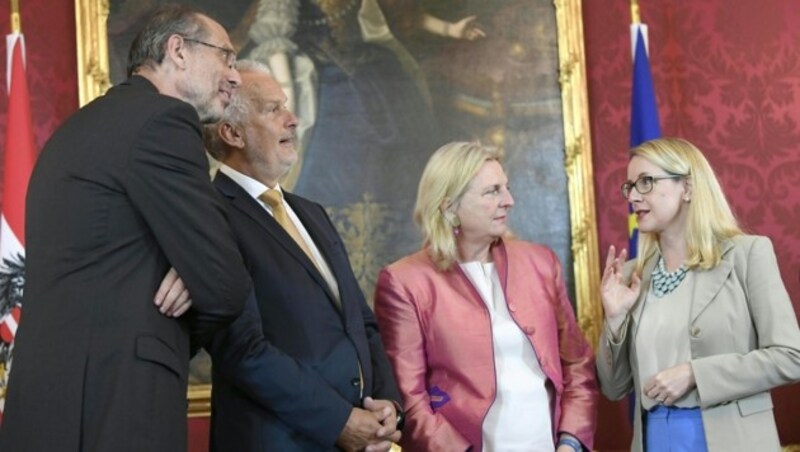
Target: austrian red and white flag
19	156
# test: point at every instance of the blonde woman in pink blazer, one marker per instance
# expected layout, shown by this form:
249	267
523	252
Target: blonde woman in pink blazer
478	326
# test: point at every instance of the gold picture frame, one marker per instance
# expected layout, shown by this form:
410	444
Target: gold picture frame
94	79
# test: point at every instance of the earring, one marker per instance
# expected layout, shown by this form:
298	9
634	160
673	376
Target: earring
454	223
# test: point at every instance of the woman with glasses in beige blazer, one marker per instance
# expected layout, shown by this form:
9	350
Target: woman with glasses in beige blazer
700	325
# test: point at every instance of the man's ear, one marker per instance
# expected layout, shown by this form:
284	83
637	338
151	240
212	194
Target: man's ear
230	135
175	50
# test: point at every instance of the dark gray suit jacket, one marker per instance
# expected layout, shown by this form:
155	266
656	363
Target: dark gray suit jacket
119	193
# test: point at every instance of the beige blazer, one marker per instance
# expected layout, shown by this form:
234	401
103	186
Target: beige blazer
744	341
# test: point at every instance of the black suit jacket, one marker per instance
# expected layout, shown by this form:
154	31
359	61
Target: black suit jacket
285	374
119	193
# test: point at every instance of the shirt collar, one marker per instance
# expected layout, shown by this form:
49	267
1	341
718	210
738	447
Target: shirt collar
253	187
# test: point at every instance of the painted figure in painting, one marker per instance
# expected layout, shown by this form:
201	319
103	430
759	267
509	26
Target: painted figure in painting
341	66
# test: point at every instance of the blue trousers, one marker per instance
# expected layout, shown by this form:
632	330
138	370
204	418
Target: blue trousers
670	429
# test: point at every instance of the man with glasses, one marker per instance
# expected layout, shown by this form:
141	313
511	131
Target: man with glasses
121	193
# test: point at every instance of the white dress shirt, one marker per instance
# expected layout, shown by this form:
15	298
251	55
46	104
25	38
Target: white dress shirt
519	418
255	189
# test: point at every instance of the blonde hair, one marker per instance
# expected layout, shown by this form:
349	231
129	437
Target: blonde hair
710	220
444	181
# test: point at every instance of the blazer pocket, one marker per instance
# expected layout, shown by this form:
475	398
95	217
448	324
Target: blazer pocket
153	349
754	404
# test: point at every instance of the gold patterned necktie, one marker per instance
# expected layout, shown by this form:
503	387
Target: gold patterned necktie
274	198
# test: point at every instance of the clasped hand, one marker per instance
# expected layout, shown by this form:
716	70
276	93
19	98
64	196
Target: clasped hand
371	429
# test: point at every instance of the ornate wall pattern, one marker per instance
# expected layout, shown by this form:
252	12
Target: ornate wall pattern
49	29
727	79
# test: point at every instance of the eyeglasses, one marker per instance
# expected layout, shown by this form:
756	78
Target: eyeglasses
644	184
228	54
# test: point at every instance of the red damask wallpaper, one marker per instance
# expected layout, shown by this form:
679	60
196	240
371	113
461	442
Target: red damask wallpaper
49	29
729	81
727	77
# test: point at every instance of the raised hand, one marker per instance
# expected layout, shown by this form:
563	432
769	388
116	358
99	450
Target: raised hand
618	296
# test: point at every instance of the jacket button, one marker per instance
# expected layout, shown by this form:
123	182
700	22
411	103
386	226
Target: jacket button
355	382
696	331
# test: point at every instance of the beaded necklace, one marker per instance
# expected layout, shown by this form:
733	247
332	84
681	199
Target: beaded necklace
665	282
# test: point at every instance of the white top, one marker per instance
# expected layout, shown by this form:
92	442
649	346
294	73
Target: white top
519	418
664	321
255	189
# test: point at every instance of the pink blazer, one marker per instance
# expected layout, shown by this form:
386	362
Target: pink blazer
437	333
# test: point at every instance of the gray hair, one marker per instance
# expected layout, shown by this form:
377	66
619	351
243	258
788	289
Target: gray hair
149	46
238	108
236	111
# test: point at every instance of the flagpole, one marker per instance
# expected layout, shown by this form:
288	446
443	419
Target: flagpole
16	25
635	18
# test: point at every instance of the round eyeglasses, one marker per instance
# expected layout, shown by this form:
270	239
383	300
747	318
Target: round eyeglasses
644	184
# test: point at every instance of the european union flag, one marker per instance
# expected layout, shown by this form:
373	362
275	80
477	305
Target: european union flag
644	114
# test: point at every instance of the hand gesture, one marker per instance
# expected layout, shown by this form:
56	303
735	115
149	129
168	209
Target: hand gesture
387	416
617	296
467	29
670	384
361	431
172	298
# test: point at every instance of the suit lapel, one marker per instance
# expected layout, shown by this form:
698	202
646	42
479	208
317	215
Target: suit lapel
316	229
315	226
704	290
707	287
245	203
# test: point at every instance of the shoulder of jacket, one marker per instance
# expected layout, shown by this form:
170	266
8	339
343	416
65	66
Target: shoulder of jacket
415	263
531	249
744	243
